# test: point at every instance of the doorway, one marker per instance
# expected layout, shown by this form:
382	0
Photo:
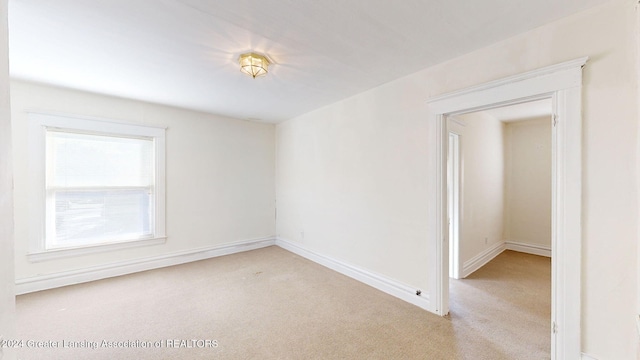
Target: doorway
499	199
561	84
499	183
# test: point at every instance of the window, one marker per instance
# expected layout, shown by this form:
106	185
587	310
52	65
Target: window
100	185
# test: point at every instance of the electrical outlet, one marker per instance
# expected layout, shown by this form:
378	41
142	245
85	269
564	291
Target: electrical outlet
486	241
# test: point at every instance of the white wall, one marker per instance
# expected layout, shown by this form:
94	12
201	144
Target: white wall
354	175
482	198
219	174
528	182
7	299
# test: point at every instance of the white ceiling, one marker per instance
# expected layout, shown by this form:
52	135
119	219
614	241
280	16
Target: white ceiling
184	52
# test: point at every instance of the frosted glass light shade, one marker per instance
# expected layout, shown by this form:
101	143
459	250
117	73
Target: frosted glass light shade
253	64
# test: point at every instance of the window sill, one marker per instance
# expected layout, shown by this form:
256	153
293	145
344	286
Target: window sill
78	251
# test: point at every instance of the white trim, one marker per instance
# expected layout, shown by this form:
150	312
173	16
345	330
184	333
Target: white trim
92	124
482	259
84	250
533	249
380	282
541	81
39	122
439	244
49	281
566	237
455	191
563	84
91	118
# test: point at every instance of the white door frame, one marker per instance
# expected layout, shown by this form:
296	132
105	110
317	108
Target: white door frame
453	198
563	84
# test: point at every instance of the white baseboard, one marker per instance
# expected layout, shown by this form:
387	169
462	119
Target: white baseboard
587	357
528	248
380	282
49	281
482	259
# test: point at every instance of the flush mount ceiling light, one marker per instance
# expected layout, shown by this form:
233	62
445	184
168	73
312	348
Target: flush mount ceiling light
253	64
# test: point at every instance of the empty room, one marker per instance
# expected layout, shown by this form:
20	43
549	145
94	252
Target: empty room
194	179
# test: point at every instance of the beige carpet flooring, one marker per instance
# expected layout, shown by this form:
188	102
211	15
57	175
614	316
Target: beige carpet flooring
510	299
272	304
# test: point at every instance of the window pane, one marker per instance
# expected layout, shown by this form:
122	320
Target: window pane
83	160
90	217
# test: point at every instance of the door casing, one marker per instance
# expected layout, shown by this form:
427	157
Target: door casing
562	83
453	210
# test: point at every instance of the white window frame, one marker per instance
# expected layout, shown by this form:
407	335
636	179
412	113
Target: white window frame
39	123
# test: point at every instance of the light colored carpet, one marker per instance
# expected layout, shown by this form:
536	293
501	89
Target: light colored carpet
272	304
509	299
